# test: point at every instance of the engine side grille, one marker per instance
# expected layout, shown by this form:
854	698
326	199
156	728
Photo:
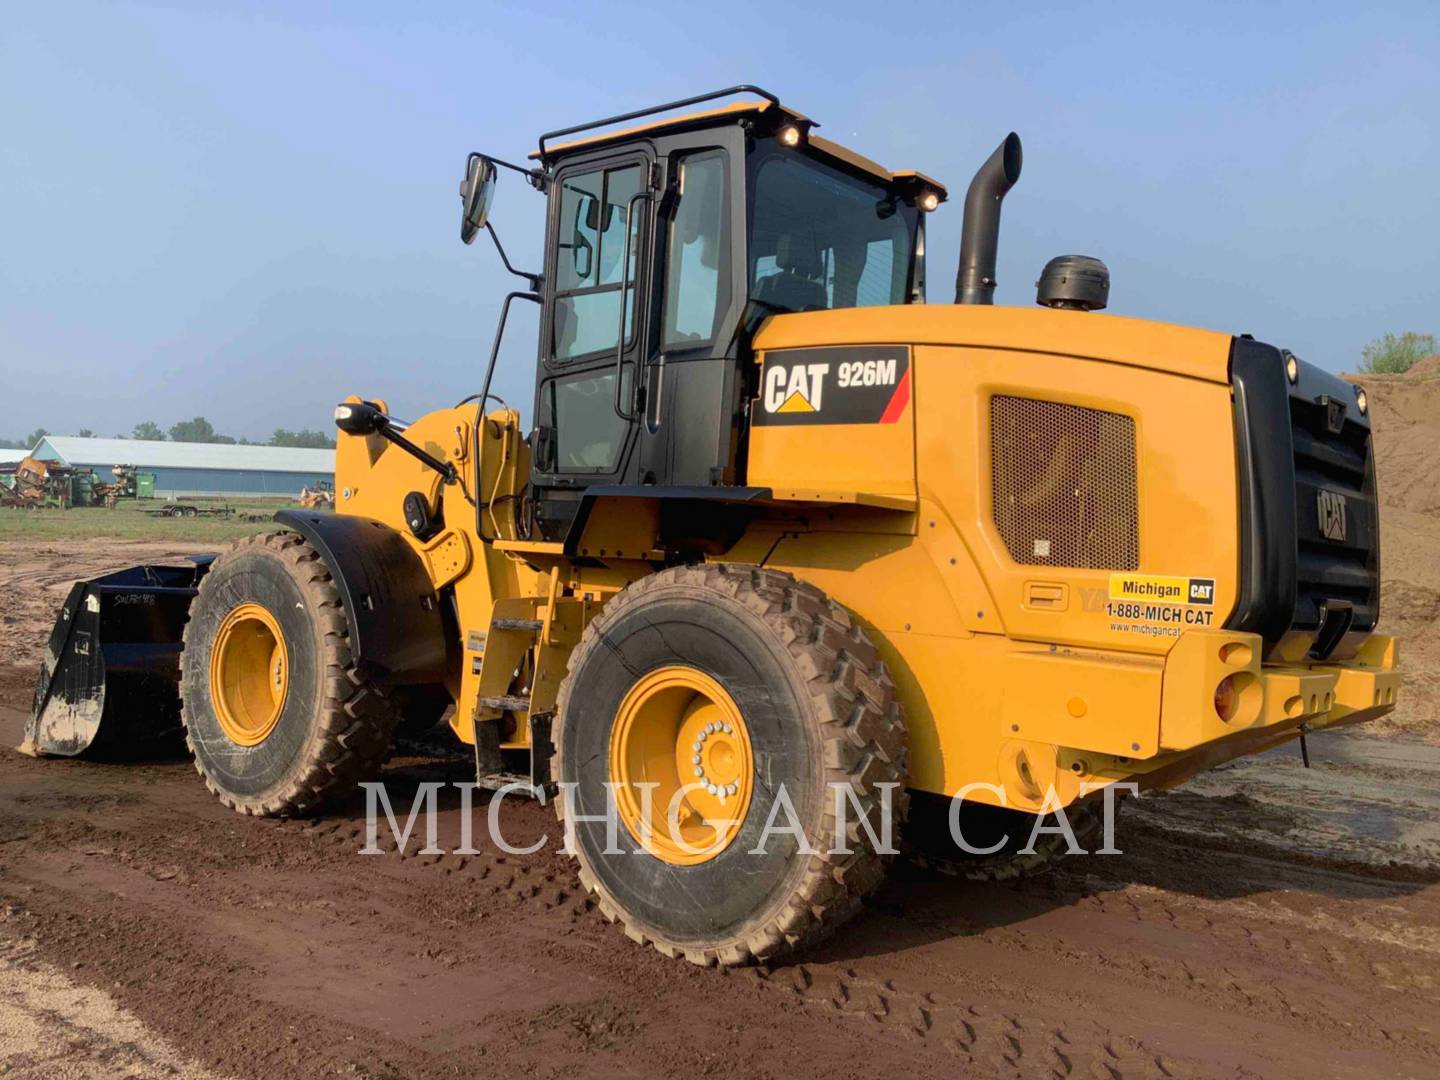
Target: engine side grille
1063	484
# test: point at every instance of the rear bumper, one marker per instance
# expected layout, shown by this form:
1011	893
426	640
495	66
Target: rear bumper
1271	696
1153	721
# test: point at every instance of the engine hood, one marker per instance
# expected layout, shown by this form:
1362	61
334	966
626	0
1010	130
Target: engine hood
1181	350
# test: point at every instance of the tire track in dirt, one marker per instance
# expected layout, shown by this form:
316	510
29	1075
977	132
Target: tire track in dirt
1048	977
963	1027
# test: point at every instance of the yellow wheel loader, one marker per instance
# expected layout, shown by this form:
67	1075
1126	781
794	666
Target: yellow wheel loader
786	553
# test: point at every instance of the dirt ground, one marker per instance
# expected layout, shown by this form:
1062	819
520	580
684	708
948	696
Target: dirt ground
53	1028
1265	920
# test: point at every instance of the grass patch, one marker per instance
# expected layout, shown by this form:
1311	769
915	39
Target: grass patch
128	521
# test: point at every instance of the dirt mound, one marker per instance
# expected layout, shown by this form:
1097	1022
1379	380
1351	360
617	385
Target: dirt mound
1405	414
1428	368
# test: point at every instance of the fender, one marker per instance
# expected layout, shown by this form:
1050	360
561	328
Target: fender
390	603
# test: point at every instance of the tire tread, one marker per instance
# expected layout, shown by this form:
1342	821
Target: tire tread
357	719
863	743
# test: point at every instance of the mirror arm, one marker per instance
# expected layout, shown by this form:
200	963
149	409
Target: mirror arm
444	468
534	177
365	418
534	279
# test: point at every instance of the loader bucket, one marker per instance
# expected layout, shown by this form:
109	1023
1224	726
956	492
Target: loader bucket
111	675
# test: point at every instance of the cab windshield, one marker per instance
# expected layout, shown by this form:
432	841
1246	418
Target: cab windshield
821	239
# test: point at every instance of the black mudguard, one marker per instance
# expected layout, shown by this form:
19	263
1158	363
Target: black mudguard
111	673
393	612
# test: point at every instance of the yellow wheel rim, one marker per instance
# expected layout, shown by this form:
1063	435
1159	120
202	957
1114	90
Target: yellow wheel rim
249	674
682	766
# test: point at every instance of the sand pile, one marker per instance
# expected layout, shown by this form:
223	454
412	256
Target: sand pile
1405	412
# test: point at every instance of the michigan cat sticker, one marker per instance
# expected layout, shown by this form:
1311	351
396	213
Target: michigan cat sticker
1171	590
853	384
1157	605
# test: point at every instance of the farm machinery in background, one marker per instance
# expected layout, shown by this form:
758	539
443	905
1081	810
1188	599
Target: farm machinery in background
319	497
129	483
37	484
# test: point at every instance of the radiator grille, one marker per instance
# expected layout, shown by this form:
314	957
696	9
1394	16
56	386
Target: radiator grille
1063	484
1335	463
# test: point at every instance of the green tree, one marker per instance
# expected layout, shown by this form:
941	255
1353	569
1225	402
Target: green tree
1394	354
35	436
86	433
149	431
198	430
310	440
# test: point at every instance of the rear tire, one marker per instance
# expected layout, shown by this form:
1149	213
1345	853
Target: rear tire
817	711
314	738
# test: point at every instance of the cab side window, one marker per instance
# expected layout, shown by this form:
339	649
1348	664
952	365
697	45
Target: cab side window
697	256
588	434
595	212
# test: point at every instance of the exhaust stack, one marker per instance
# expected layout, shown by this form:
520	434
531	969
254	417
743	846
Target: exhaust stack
980	231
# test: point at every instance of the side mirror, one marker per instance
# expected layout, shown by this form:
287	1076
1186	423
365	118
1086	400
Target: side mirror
476	190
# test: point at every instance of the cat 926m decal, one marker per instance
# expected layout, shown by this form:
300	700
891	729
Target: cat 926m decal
851	384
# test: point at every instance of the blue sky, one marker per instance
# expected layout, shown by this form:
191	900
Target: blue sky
247	212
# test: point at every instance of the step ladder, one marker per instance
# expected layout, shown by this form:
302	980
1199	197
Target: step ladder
510	642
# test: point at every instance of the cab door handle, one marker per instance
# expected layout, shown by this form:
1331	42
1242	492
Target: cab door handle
1047	595
630	230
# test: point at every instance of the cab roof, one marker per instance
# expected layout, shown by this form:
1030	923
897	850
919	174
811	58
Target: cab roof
724	114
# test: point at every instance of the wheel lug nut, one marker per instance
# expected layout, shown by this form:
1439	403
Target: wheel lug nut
699	771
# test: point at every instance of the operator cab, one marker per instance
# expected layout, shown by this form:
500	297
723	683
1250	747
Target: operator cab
666	246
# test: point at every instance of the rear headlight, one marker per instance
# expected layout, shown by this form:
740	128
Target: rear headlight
1227	699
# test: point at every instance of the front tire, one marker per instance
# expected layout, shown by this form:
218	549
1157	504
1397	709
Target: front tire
278	716
774	688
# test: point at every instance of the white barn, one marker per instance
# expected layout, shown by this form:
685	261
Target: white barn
188	469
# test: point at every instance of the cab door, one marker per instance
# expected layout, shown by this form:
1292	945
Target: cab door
596	313
691	384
